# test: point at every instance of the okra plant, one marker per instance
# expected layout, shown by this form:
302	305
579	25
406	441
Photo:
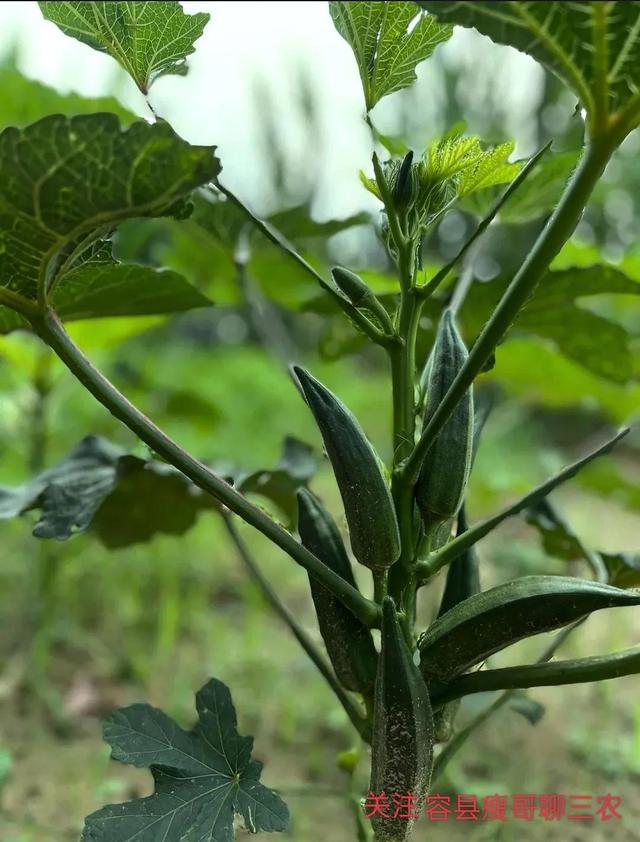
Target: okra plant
68	182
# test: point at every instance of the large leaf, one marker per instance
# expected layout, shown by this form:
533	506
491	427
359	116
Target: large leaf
26	100
594	47
100	286
148	39
388	40
595	342
203	777
123	498
65	183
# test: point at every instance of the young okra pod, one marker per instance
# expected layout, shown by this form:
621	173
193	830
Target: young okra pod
348	641
443	477
368	507
402	744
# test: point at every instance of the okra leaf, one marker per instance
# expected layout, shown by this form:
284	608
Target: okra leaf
203	778
67	182
388	40
148	39
491	620
123	498
535	197
554	313
593	47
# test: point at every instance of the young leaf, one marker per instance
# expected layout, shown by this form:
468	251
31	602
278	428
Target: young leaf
388	40
203	777
148	39
593	47
65	183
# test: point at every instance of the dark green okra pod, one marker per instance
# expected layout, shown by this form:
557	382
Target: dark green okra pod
348	641
402	745
445	471
368	507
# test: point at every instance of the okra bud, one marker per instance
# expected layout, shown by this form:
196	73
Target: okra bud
348	641
368	506
353	287
445	470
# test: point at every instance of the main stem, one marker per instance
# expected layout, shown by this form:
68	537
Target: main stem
557	231
53	333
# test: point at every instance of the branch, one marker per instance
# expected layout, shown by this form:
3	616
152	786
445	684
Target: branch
272	234
426	569
357	720
577	671
555	234
50	329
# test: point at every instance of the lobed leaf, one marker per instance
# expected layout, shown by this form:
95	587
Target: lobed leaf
148	39
203	777
388	40
66	183
594	47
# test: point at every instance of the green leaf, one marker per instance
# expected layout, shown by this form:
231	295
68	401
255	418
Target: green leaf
125	499
65	183
595	342
388	40
31	100
203	777
148	39
594	47
535	197
100	286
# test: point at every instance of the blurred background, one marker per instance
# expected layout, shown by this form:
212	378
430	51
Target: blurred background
85	628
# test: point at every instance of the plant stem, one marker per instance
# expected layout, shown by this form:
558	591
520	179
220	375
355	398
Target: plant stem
426	569
555	234
576	671
357	720
50	329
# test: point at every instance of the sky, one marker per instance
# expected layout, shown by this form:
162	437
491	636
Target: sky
256	52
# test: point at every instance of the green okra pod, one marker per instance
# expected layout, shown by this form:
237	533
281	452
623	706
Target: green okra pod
444	473
368	507
402	744
348	641
491	620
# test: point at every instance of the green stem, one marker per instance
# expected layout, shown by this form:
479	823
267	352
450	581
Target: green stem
576	671
555	234
357	720
50	329
426	569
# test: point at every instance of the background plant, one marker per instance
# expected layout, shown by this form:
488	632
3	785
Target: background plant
404	256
